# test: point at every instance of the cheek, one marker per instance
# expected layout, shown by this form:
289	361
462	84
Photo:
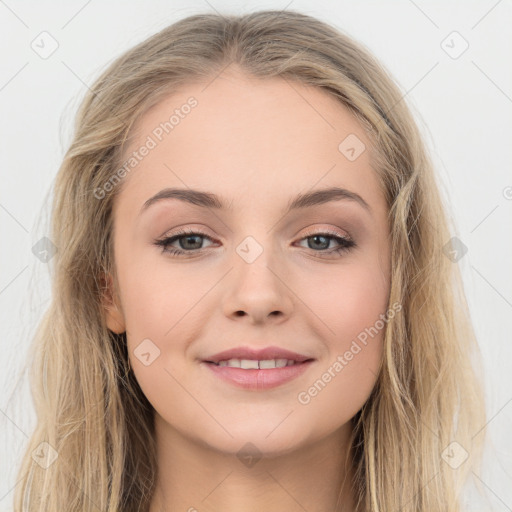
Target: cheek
347	299
157	294
351	305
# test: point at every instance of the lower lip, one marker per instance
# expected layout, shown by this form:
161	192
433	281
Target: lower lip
259	379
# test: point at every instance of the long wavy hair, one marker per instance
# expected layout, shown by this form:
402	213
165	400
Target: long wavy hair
428	402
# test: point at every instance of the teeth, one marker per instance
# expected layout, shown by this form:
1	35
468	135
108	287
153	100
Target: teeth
272	363
248	364
252	364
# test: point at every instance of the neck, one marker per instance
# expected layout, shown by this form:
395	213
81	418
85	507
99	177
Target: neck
194	477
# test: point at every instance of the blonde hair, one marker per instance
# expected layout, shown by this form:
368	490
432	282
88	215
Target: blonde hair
89	406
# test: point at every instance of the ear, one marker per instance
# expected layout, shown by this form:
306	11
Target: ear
113	314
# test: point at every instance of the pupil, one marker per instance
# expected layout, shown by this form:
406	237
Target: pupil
191	237
316	237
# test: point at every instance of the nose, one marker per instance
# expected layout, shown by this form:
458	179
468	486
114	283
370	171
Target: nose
258	290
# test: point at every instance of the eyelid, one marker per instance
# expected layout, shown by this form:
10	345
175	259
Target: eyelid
182	231
326	231
188	231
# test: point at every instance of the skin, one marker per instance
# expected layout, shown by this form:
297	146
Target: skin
257	144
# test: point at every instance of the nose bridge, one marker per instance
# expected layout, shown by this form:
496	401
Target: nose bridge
256	286
256	261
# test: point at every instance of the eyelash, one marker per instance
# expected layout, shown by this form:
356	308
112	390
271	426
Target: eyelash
345	243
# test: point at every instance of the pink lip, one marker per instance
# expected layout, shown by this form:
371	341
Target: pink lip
257	354
256	378
259	379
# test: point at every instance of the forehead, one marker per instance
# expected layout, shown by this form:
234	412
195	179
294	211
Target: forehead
245	139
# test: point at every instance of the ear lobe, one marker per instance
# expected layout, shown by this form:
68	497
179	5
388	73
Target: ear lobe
113	314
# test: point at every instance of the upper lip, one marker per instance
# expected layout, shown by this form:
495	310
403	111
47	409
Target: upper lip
257	354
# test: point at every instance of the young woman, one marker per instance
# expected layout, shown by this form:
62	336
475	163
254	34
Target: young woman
254	304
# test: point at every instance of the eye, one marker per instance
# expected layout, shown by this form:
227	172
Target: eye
322	240
188	240
190	243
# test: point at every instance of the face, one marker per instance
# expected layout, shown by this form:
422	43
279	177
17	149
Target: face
313	279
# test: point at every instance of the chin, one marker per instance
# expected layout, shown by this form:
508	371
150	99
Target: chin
270	442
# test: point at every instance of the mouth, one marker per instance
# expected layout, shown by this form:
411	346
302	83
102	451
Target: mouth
257	369
247	357
255	364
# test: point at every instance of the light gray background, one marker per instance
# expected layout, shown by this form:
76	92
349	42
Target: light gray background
463	106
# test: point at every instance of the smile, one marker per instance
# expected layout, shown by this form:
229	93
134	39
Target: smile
258	374
252	364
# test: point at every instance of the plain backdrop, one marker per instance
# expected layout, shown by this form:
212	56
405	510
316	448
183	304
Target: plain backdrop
452	61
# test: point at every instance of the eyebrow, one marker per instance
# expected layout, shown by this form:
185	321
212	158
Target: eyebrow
210	200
